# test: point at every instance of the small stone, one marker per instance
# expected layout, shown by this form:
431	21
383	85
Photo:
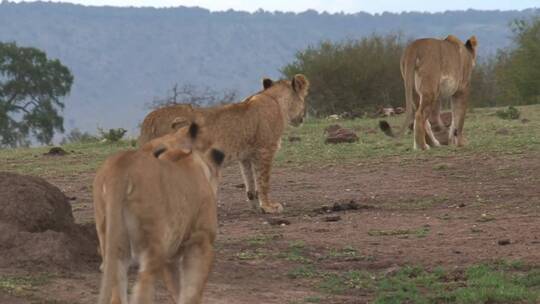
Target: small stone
294	138
278	222
504	242
334	218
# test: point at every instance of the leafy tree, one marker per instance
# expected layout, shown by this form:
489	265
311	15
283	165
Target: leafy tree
352	75
31	86
518	69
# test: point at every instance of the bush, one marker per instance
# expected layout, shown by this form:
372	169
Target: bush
112	135
351	76
510	113
77	136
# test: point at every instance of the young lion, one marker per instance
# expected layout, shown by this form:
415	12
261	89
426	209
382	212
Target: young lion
250	132
159	208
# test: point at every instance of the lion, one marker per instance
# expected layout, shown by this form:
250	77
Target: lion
159	122
433	69
152	128
159	208
249	132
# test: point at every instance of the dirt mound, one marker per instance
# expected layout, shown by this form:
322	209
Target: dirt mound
37	227
342	135
56	151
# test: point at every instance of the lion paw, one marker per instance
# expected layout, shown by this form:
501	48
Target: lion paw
272	207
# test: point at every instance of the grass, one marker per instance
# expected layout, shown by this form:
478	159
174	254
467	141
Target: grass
295	253
20	285
480	128
248	254
501	282
420	232
81	158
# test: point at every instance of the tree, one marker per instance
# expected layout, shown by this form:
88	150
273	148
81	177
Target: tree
352	75
518	69
31	87
195	96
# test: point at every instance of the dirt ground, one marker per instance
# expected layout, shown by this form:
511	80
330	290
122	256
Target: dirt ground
450	212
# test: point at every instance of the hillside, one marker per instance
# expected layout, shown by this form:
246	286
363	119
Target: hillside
123	58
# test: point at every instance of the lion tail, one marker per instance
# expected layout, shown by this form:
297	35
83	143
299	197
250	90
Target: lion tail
115	236
408	69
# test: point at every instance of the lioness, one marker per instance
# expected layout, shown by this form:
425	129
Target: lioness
433	68
159	208
250	132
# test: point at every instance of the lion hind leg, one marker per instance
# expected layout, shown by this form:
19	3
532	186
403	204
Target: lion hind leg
196	265
249	181
263	168
459	109
431	139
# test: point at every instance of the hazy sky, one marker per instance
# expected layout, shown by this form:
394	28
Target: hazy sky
348	6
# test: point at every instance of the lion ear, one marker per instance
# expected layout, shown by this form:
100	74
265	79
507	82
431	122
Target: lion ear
179	122
471	44
267	82
174	155
300	83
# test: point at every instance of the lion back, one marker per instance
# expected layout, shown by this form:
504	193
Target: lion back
160	122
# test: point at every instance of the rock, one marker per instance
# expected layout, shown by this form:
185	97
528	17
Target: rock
294	138
278	221
333	218
341	136
333	117
332	128
502	131
350	205
399	110
504	242
56	151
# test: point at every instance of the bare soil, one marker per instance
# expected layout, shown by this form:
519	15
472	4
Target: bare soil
449	212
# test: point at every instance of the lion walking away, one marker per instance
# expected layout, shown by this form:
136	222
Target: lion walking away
157	205
434	69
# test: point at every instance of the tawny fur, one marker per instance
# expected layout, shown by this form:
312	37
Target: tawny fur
161	212
152	128
250	132
433	69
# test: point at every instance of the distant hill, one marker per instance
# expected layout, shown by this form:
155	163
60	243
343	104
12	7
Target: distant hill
123	58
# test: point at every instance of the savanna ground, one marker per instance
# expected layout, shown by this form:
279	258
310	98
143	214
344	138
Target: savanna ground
447	225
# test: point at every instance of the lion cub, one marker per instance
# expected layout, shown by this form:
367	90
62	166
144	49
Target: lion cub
157	205
248	132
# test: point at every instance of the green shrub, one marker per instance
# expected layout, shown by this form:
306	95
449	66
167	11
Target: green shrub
510	113
112	135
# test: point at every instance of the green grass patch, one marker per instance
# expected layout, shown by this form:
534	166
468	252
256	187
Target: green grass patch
345	252
248	254
480	127
499	282
295	253
19	285
81	158
261	239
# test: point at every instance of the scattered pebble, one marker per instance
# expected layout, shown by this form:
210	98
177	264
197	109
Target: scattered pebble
504	242
278	221
334	218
